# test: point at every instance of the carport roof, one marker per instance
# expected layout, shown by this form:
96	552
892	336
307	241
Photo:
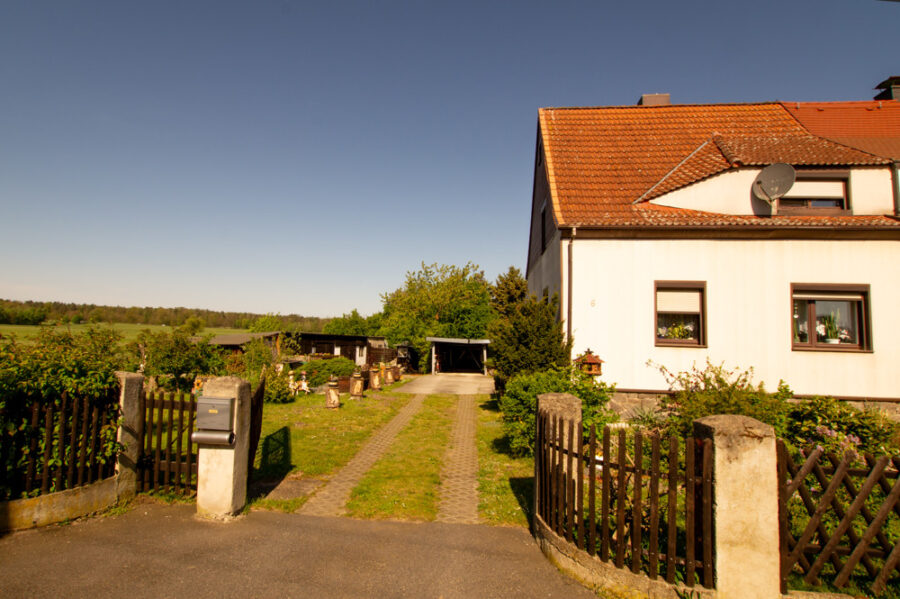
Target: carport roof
458	341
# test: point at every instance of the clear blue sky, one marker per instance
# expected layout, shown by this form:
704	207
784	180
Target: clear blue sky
282	156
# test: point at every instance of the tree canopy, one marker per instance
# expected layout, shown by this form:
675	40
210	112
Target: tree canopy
437	301
353	324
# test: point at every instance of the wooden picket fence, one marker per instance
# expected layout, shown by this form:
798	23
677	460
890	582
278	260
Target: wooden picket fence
643	503
840	518
61	447
168	460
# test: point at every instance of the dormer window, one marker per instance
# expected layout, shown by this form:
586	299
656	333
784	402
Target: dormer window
819	193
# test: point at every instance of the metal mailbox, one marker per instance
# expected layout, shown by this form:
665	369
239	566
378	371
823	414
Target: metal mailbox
215	416
215	413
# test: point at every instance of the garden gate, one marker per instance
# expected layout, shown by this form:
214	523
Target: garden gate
168	460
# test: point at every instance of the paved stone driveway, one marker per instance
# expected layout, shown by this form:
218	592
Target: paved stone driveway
453	383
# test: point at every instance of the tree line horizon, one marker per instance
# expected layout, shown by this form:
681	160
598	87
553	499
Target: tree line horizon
35	312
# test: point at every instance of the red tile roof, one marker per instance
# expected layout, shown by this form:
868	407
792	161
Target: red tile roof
871	126
604	164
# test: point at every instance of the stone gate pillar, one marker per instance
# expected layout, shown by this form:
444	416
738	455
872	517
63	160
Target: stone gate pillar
222	469
745	506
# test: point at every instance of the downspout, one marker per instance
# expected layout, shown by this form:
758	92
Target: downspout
569	290
895	176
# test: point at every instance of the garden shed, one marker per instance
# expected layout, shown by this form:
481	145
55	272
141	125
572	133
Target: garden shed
458	355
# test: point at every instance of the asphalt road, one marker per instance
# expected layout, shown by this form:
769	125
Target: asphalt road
157	550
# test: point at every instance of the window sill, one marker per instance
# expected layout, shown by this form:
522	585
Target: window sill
833	348
673	343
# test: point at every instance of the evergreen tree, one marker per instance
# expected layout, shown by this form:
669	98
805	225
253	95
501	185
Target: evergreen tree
526	335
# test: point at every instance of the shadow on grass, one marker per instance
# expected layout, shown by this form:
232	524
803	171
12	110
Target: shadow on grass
274	464
523	489
491	405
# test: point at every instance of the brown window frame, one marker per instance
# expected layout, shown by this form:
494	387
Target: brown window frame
701	337
863	316
819	175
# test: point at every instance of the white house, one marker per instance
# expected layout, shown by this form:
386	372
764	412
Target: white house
645	224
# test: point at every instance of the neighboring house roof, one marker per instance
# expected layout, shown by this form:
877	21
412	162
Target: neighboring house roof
330	337
458	341
870	126
235	339
604	164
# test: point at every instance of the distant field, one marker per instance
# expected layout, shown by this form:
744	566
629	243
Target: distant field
130	331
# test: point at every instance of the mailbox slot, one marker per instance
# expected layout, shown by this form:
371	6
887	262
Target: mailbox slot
215	413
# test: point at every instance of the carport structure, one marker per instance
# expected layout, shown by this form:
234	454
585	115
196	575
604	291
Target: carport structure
458	355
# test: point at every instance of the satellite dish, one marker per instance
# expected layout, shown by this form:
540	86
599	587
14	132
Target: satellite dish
773	182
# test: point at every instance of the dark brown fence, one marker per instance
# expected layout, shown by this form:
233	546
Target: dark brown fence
638	501
57	445
840	518
256	417
168	459
374	355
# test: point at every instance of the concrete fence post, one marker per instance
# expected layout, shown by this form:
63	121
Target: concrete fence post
130	387
222	469
745	506
560	405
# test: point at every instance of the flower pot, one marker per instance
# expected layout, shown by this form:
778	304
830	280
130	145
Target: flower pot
833	341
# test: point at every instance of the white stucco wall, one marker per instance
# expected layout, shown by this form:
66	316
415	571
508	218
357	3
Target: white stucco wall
748	309
871	192
546	271
725	193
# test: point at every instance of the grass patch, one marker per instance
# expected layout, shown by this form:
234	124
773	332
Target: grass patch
856	587
129	331
405	483
306	437
287	506
505	483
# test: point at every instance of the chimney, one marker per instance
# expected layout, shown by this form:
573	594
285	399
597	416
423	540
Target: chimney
890	89
654	100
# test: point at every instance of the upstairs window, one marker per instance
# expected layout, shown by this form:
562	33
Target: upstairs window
830	317
680	313
821	193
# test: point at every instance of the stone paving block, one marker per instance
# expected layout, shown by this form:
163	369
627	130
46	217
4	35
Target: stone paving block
459	476
331	500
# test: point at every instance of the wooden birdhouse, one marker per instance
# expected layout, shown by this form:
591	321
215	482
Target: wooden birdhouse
589	363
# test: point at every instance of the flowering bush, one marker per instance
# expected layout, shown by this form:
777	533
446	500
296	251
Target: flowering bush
716	390
837	426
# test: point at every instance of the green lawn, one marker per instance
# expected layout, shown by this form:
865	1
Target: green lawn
308	440
405	483
320	440
505	483
129	331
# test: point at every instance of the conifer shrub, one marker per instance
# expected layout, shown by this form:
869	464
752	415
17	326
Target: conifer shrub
278	388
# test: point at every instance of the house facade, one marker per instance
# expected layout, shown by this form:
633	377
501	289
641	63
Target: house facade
646	223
